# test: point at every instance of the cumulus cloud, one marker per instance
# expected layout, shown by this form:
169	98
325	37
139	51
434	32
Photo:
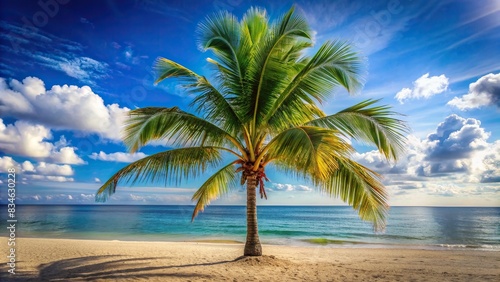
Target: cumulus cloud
28	166
50	178
41	172
28	140
61	107
457	146
118	157
66	155
290	187
488	167
25	139
455	154
7	163
374	160
54	169
484	92
423	88
456	138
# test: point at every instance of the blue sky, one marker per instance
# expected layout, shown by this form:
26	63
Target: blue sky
70	70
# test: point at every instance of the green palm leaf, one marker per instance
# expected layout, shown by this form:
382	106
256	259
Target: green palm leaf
166	68
217	185
170	166
221	34
209	101
181	128
266	73
314	151
374	125
335	64
361	188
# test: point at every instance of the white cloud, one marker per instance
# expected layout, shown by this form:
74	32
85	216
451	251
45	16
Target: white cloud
32	51
486	167
456	155
455	150
374	160
25	139
7	163
97	180
61	107
41	172
440	190
118	157
303	188
28	166
484	92
64	55
54	169
289	187
50	178
282	187
83	68
424	87
456	138
66	155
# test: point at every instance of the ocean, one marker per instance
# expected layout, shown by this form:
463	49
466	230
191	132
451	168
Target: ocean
329	226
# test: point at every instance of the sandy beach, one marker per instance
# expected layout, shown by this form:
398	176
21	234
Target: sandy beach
84	260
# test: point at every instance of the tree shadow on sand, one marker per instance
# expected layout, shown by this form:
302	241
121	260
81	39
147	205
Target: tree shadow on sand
116	267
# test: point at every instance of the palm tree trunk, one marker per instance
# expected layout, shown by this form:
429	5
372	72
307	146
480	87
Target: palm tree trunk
252	246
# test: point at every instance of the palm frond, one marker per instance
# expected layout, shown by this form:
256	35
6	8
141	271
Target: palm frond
313	151
217	185
374	125
166	68
334	64
361	188
220	33
208	101
181	128
267	72
171	166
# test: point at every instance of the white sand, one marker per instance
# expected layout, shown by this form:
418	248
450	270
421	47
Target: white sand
84	260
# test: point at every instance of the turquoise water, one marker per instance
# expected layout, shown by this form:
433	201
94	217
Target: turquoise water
422	227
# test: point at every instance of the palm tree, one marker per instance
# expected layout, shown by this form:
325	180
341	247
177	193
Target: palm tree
262	107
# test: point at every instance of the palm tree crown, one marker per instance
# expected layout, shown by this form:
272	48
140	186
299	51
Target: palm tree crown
262	106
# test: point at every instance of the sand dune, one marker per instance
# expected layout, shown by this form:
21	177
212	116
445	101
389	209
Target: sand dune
83	260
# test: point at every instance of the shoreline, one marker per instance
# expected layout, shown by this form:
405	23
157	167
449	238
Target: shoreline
307	243
78	260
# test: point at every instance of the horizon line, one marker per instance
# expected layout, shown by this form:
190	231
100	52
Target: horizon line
223	205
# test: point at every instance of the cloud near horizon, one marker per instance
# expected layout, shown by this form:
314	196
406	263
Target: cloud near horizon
40	172
457	151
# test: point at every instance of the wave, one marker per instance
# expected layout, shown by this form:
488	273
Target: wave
463	246
347	243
